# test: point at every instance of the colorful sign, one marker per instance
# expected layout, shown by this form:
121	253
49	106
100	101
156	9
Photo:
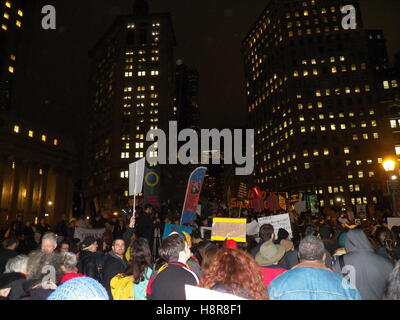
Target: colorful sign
169	228
229	229
152	187
193	191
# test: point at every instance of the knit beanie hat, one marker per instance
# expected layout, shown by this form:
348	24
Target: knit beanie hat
84	288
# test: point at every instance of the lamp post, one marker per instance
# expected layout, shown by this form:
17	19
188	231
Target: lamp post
389	166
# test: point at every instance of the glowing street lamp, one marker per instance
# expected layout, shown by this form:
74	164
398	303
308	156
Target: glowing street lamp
388	165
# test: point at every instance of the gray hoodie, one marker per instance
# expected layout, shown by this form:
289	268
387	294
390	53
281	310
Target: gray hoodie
371	270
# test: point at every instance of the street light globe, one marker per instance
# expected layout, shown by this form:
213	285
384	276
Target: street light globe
338	199
394	177
50	203
388	165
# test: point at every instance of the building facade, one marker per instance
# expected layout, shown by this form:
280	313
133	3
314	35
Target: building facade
313	100
131	92
37	173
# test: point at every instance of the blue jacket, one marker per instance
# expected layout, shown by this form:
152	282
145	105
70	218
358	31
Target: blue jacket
304	283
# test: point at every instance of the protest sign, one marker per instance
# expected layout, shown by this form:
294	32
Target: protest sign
201	294
393	221
169	228
82	233
229	228
193	191
136	173
252	228
278	221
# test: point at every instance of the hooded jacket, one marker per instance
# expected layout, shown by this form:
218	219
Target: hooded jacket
370	270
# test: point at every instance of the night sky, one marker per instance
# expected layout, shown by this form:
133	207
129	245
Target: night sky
209	36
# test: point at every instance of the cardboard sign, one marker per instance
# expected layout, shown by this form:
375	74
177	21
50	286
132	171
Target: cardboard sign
82	233
169	228
197	293
393	221
278	221
229	228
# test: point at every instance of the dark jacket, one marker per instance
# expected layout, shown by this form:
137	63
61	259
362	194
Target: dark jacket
113	265
16	284
371	270
87	265
5	255
34	291
169	284
144	227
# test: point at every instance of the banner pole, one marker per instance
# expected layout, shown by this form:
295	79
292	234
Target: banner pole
240	208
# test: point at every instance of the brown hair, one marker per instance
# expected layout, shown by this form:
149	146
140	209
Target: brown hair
171	247
208	255
237	270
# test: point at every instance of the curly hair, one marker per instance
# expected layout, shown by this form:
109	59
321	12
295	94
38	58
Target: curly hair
236	270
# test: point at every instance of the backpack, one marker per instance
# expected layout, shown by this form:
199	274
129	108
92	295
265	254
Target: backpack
122	287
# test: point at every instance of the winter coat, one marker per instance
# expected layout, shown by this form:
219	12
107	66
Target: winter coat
113	266
371	270
87	265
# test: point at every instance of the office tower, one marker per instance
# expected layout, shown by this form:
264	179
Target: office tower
314	103
131	92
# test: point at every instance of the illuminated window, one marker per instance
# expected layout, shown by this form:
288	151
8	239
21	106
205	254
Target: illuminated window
394	84
124	174
365	136
386	85
154	73
40	172
348	162
141	73
44	138
355	137
16	129
11	69
393	123
346	150
301	118
315	72
319	105
376	135
303	129
328	92
358	162
343	126
316	153
20	13
350	175
18	23
30	133
347	90
296	74
4	27
397	149
326	152
333	127
8	4
360	174
371	174
367	88
55	142
334	69
318	93
353	67
306	165
363	124
323	128
321	116
305	153
6	15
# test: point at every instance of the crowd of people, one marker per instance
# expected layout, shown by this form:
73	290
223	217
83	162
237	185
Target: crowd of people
327	258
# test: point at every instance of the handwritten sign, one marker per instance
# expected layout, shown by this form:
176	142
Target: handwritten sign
229	228
278	221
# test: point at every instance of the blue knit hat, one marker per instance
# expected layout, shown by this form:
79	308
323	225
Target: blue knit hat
83	288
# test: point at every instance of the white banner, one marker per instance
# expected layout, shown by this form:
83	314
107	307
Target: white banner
252	228
136	174
279	221
82	233
197	293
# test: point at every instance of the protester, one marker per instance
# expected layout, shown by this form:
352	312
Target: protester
43	227
18	267
87	258
49	242
235	272
68	267
144	223
9	251
114	263
132	283
169	282
42	267
392	290
268	259
385	243
311	279
371	270
6	284
208	253
83	288
64	246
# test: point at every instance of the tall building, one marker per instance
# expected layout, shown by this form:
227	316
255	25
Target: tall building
313	101
131	92
187	97
12	20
